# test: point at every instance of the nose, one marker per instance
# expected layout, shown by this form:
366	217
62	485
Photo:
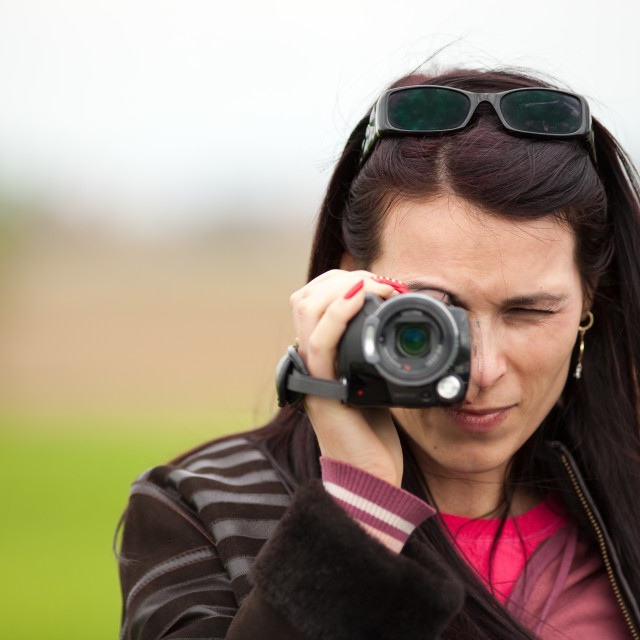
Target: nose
488	358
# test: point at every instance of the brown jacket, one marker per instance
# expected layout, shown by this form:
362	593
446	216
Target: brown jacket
217	547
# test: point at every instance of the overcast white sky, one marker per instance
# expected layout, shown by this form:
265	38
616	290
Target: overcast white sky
152	115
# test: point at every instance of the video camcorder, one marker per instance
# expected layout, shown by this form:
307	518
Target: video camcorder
408	351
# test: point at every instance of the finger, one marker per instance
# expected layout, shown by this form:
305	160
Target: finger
308	310
323	341
329	279
397	285
304	291
309	303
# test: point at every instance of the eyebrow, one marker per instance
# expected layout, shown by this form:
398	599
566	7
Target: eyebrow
543	297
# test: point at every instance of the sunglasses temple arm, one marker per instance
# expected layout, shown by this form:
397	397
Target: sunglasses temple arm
591	142
370	139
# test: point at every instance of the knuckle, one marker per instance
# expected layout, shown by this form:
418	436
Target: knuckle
294	298
314	347
316	354
303	307
335	314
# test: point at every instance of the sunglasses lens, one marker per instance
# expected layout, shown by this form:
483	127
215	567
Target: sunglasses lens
545	112
427	109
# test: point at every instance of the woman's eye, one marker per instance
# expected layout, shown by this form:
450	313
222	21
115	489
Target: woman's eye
525	310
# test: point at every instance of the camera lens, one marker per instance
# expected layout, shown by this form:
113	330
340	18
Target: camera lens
413	340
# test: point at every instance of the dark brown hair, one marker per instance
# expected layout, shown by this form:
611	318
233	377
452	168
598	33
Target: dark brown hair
520	178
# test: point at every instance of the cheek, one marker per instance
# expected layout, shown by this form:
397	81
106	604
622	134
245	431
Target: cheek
543	361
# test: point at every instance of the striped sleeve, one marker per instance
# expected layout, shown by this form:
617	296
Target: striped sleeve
388	513
214	546
191	533
169	570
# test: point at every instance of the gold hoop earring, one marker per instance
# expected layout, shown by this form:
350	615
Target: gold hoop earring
582	329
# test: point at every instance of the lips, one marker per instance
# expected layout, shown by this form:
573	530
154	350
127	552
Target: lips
479	420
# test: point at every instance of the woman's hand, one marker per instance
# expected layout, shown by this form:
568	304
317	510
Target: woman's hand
364	438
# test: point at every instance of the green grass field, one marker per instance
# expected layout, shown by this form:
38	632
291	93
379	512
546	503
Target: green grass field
65	482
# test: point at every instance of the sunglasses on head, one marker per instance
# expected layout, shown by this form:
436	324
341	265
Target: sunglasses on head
427	109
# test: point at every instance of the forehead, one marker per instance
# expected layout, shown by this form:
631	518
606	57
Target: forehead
449	237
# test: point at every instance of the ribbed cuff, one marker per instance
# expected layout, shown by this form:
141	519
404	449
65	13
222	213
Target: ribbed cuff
388	513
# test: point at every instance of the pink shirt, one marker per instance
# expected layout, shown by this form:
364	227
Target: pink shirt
520	537
562	592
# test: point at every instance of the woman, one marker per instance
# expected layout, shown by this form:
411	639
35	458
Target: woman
512	513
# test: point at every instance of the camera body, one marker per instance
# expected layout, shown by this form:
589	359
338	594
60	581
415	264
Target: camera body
408	351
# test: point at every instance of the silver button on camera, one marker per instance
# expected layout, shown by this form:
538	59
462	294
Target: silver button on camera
449	387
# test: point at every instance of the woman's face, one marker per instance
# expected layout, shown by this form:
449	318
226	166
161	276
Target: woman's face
520	286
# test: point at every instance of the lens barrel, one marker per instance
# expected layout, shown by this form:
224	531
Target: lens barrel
410	351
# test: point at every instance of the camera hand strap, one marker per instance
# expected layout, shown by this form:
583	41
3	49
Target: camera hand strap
293	382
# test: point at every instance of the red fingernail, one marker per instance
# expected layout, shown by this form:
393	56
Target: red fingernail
400	287
352	292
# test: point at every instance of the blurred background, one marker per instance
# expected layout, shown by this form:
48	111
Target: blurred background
161	164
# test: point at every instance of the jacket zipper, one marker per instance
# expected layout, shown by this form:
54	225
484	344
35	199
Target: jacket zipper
604	552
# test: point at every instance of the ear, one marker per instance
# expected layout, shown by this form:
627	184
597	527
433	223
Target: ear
586	308
347	262
589	293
